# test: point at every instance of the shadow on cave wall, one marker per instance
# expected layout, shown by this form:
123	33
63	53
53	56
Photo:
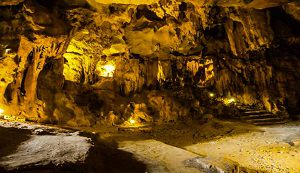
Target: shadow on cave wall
285	57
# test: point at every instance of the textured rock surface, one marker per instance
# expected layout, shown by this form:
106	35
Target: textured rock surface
75	61
38	148
55	146
232	3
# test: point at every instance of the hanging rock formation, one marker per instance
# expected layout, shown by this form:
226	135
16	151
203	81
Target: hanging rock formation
79	62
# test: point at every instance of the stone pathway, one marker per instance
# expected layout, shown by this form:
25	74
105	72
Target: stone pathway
162	158
275	149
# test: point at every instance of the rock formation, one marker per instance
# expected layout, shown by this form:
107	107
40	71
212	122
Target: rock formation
80	62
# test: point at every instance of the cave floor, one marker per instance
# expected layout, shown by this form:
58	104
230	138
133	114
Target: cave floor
273	149
188	146
218	144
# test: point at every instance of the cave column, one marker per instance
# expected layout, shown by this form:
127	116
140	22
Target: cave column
36	66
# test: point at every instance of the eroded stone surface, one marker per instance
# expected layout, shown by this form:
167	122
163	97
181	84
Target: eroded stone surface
57	57
57	147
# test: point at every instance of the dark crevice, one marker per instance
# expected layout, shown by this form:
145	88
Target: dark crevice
22	89
142	10
8	92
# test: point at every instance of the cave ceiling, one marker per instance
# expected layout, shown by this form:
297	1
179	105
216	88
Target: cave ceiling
224	3
10	2
259	4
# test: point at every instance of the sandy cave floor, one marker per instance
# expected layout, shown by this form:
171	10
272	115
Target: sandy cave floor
251	148
175	147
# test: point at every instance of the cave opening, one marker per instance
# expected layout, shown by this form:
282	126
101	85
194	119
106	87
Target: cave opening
149	86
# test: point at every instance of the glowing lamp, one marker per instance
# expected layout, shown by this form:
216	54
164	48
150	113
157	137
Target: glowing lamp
1	111
211	94
7	51
231	100
131	121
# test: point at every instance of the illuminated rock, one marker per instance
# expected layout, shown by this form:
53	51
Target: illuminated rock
167	108
136	2
115	49
121	49
106	70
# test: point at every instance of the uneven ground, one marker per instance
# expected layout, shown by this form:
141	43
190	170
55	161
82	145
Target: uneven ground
274	149
178	147
37	148
223	144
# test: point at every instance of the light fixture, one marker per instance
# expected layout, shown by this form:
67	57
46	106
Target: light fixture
7	50
211	94
231	100
131	121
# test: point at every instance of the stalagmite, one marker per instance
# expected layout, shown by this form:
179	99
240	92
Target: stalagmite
178	72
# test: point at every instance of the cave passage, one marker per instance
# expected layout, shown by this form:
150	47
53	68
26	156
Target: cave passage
150	86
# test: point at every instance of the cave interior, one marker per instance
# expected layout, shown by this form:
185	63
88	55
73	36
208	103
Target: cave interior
181	72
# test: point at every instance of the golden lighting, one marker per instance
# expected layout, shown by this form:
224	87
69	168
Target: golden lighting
7	51
229	100
107	70
132	121
211	94
5	117
1	111
9	118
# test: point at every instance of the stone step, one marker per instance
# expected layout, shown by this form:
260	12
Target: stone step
270	123
246	108
253	116
243	107
259	116
265	120
251	109
256	112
